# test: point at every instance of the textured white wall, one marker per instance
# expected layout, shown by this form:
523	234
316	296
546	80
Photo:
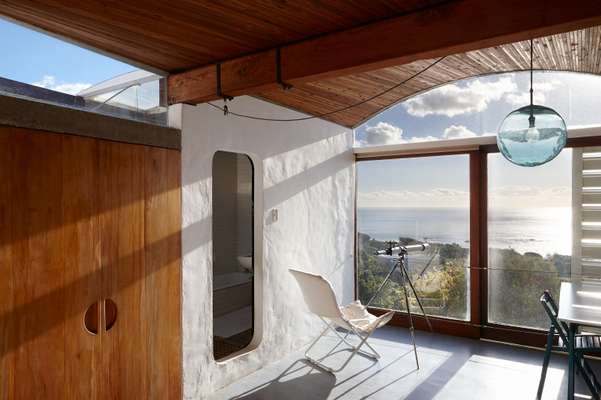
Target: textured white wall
303	169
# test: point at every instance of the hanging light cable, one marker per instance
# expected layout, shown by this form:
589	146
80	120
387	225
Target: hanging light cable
532	135
226	111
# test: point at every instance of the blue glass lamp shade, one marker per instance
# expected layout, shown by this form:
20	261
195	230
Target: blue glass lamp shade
532	135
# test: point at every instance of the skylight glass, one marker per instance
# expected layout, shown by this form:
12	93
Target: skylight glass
45	68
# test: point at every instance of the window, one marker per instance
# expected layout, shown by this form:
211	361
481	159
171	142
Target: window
475	106
423	199
48	69
529	237
233	253
529	229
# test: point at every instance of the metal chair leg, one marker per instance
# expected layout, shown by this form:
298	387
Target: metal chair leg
571	361
354	350
547	357
595	385
587	375
374	355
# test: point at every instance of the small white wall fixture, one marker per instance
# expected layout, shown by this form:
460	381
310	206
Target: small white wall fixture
304	175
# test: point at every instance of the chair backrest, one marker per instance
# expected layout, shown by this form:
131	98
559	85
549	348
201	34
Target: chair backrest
552	311
318	294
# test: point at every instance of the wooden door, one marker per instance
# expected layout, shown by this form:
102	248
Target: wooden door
140	259
48	265
122	258
162	307
82	269
84	220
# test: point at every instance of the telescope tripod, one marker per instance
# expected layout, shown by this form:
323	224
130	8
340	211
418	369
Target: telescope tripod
401	263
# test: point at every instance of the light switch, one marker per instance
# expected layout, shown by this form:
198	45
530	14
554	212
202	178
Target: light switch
274	215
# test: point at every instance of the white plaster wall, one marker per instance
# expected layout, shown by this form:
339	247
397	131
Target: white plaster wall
305	170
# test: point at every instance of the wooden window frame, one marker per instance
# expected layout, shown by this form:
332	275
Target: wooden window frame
478	326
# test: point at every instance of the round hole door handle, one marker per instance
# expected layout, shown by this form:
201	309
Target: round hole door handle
91	319
110	314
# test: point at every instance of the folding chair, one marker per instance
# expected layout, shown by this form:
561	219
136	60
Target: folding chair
321	300
582	344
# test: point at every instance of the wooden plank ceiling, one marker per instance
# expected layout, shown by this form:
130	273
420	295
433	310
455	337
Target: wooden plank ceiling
577	51
177	35
181	35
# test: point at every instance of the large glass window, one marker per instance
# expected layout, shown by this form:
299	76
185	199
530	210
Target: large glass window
415	200
529	237
233	253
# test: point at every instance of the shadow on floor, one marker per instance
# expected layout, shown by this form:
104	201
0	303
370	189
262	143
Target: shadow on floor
451	369
315	384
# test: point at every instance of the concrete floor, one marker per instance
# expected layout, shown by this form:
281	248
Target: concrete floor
451	368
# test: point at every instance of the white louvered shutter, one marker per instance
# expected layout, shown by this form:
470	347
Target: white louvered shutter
586	208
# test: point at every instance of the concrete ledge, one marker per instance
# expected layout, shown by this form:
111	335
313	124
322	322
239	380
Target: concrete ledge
26	113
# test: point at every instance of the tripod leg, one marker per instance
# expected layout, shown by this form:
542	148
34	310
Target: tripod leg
411	329
419	302
384	282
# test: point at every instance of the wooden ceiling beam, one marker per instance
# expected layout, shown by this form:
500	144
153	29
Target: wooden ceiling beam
453	27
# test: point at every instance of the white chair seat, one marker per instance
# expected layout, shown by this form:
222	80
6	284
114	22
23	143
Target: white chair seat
357	315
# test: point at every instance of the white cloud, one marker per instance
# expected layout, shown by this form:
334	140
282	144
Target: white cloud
436	197
541	90
384	133
499	197
458	132
50	82
529	196
453	99
419	139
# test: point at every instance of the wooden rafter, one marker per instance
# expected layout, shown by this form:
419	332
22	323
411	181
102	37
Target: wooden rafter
448	28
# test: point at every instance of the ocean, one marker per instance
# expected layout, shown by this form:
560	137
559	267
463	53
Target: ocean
541	230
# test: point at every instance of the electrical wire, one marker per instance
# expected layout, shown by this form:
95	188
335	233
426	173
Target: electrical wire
227	111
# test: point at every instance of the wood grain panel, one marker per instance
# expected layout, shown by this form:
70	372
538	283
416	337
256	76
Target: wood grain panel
7	367
162	291
35	329
82	220
80	169
576	51
124	354
180	34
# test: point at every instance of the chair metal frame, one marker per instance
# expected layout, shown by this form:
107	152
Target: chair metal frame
321	301
355	349
561	329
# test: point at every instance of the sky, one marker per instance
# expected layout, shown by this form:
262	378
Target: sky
35	58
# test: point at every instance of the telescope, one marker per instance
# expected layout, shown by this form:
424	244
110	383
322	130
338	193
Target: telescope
401	263
401	249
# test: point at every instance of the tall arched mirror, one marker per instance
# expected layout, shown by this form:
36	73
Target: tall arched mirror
233	253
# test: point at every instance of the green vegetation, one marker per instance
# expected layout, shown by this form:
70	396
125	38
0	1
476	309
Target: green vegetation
516	281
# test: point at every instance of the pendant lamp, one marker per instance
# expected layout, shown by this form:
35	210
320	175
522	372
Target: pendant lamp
532	135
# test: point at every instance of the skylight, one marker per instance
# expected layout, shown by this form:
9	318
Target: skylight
45	68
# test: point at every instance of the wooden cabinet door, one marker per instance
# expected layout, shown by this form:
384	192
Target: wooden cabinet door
49	267
140	236
124	354
83	275
162	288
84	220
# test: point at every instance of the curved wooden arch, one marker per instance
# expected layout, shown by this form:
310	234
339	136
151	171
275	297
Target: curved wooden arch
576	51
